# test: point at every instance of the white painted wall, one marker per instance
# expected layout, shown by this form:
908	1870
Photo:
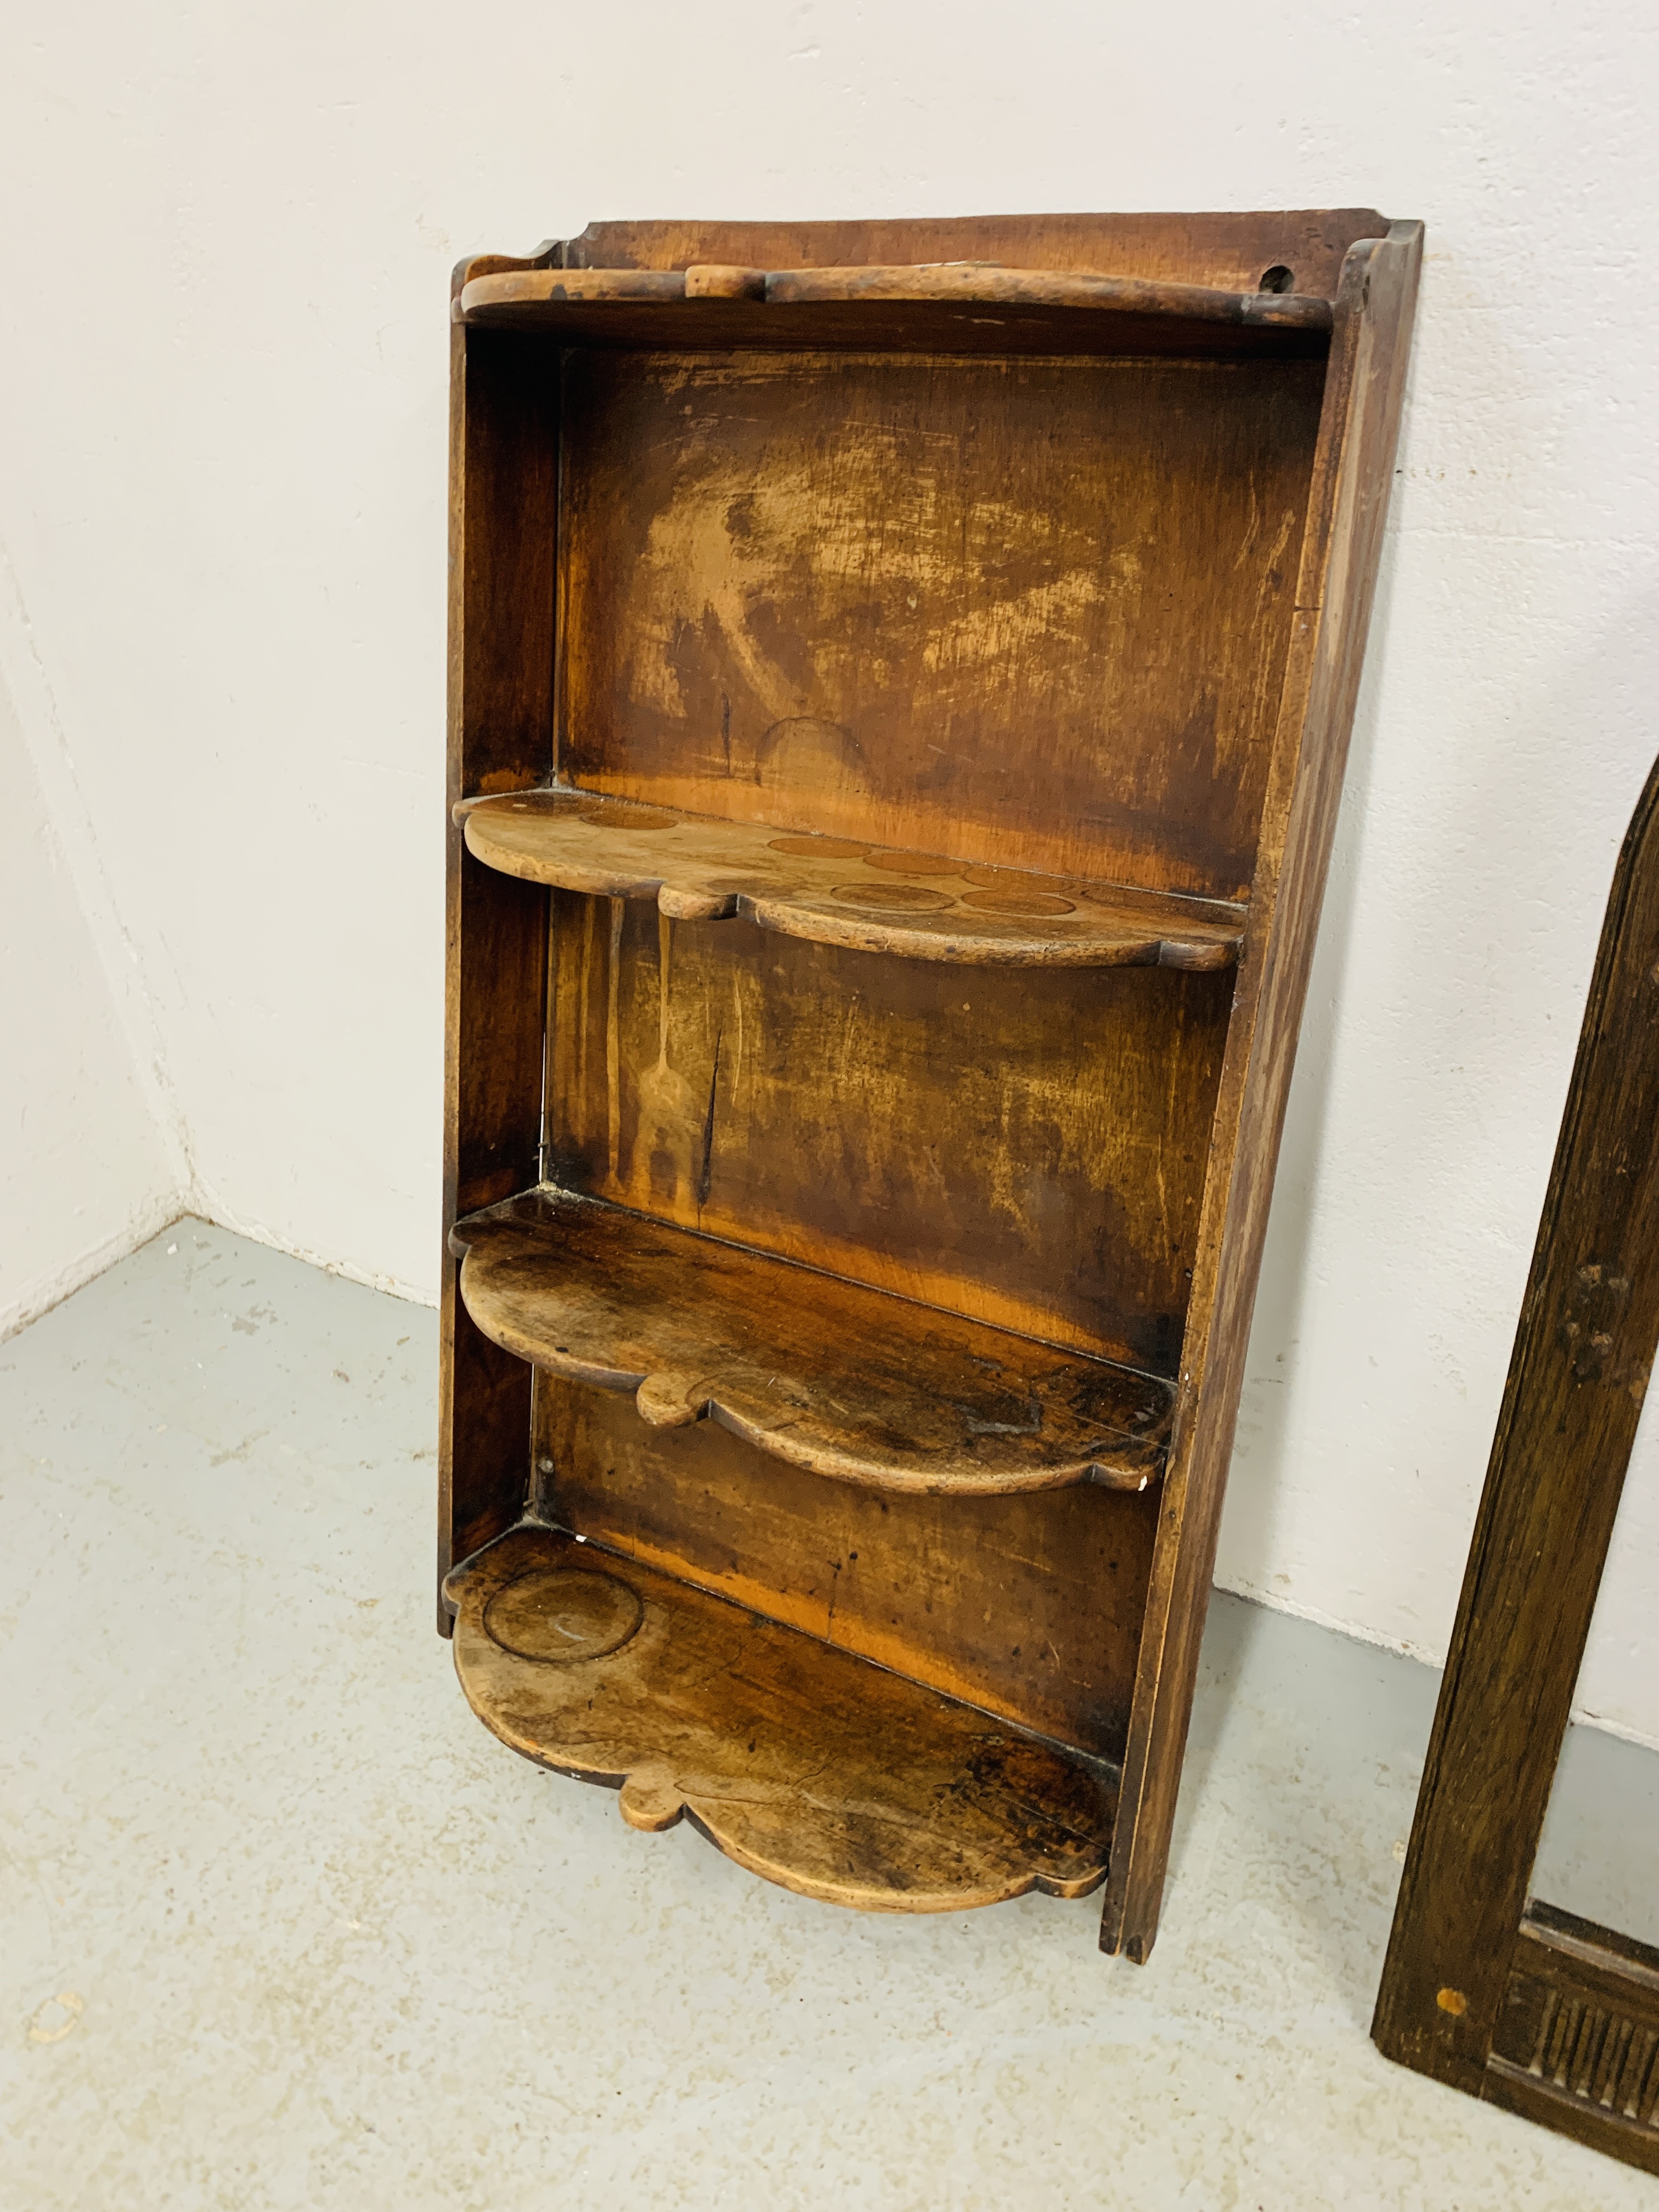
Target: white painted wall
85	1168
221	490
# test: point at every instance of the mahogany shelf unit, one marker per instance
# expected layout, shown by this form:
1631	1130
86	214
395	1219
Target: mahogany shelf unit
901	677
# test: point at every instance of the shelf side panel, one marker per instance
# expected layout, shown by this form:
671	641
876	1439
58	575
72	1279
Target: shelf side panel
502	509
1339	561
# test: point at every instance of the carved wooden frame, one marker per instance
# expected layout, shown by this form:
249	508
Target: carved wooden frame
1484	1987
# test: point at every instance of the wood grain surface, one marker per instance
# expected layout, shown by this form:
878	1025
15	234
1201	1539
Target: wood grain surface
1304	248
1027	614
1024	1146
1027	1603
503	465
829	1374
833	890
814	1769
1084	310
989	284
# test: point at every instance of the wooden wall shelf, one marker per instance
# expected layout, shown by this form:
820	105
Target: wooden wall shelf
991	596
829	1374
815	1769
835	890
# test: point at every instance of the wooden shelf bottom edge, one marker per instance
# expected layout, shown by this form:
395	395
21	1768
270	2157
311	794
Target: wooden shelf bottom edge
813	1768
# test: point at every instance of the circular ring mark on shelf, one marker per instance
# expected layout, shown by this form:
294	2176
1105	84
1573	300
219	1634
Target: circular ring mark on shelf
913	864
556	1615
895	898
629	818
818	848
1019	902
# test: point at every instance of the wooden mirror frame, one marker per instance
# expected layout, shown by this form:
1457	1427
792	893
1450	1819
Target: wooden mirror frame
1485	1986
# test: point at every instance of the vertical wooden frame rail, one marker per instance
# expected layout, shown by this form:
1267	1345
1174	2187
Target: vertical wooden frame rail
1353	472
1484	1987
958	629
502	485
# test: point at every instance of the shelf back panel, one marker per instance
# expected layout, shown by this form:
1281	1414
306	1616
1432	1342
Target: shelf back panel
1030	1606
1023	1147
1026	612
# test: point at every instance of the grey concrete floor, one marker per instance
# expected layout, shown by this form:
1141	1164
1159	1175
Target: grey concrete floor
281	1926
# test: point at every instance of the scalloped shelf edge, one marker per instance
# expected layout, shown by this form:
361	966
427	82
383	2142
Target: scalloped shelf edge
843	891
845	1381
813	1768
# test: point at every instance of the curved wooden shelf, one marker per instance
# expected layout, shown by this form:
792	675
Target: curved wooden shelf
943	304
807	1765
833	891
831	1376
